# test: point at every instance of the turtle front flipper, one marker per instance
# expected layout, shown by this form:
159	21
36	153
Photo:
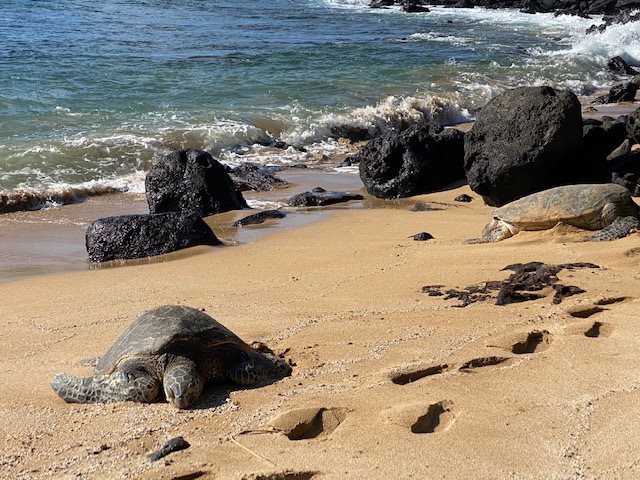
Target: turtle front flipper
118	387
619	228
182	381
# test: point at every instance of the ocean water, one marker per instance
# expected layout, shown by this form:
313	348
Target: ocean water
92	92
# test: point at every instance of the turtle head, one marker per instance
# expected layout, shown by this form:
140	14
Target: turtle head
182	382
497	230
268	365
259	366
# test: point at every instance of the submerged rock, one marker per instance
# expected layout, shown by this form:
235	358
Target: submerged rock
319	197
260	217
251	176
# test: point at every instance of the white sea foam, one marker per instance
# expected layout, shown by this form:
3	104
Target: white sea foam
57	193
437	37
392	111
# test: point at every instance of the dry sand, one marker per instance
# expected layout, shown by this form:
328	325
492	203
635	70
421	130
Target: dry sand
379	387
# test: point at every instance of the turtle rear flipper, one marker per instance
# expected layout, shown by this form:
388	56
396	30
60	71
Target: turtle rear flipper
619	228
118	387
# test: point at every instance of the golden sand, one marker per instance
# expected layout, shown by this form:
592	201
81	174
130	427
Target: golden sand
388	382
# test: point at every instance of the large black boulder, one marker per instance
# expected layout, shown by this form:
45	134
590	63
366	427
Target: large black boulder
145	235
523	141
191	181
411	161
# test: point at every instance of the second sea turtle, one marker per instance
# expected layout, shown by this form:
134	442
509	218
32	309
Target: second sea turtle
606	208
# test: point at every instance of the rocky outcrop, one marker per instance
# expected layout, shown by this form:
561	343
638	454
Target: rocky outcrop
319	197
571	7
193	182
145	235
620	18
411	161
523	141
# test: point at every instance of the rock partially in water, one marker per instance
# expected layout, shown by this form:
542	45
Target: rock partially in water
191	181
128	237
260	217
319	197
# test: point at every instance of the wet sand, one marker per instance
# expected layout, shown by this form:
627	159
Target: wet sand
52	240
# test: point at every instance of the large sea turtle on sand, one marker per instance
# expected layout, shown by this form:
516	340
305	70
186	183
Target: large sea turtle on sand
175	347
607	208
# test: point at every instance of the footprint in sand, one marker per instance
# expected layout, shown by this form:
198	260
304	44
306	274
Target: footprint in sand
308	423
582	311
482	362
585	311
415	375
598	329
287	475
535	342
418	418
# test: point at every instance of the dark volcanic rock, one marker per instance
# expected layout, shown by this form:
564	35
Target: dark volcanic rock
191	181
625	171
145	235
251	176
172	445
260	217
463	198
633	126
623	92
524	140
618	65
319	197
600	139
413	161
422	236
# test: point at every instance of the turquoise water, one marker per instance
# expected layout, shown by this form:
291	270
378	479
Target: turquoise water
91	92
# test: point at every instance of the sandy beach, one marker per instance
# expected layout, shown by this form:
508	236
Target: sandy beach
388	382
414	352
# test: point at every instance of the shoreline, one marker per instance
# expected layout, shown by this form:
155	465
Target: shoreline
51	240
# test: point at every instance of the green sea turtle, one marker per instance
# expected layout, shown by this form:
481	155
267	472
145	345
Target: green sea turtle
607	208
175	347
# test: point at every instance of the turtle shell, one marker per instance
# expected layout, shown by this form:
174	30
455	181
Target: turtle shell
577	205
170	329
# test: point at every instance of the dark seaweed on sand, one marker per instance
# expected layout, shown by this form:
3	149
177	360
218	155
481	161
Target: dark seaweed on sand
521	286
